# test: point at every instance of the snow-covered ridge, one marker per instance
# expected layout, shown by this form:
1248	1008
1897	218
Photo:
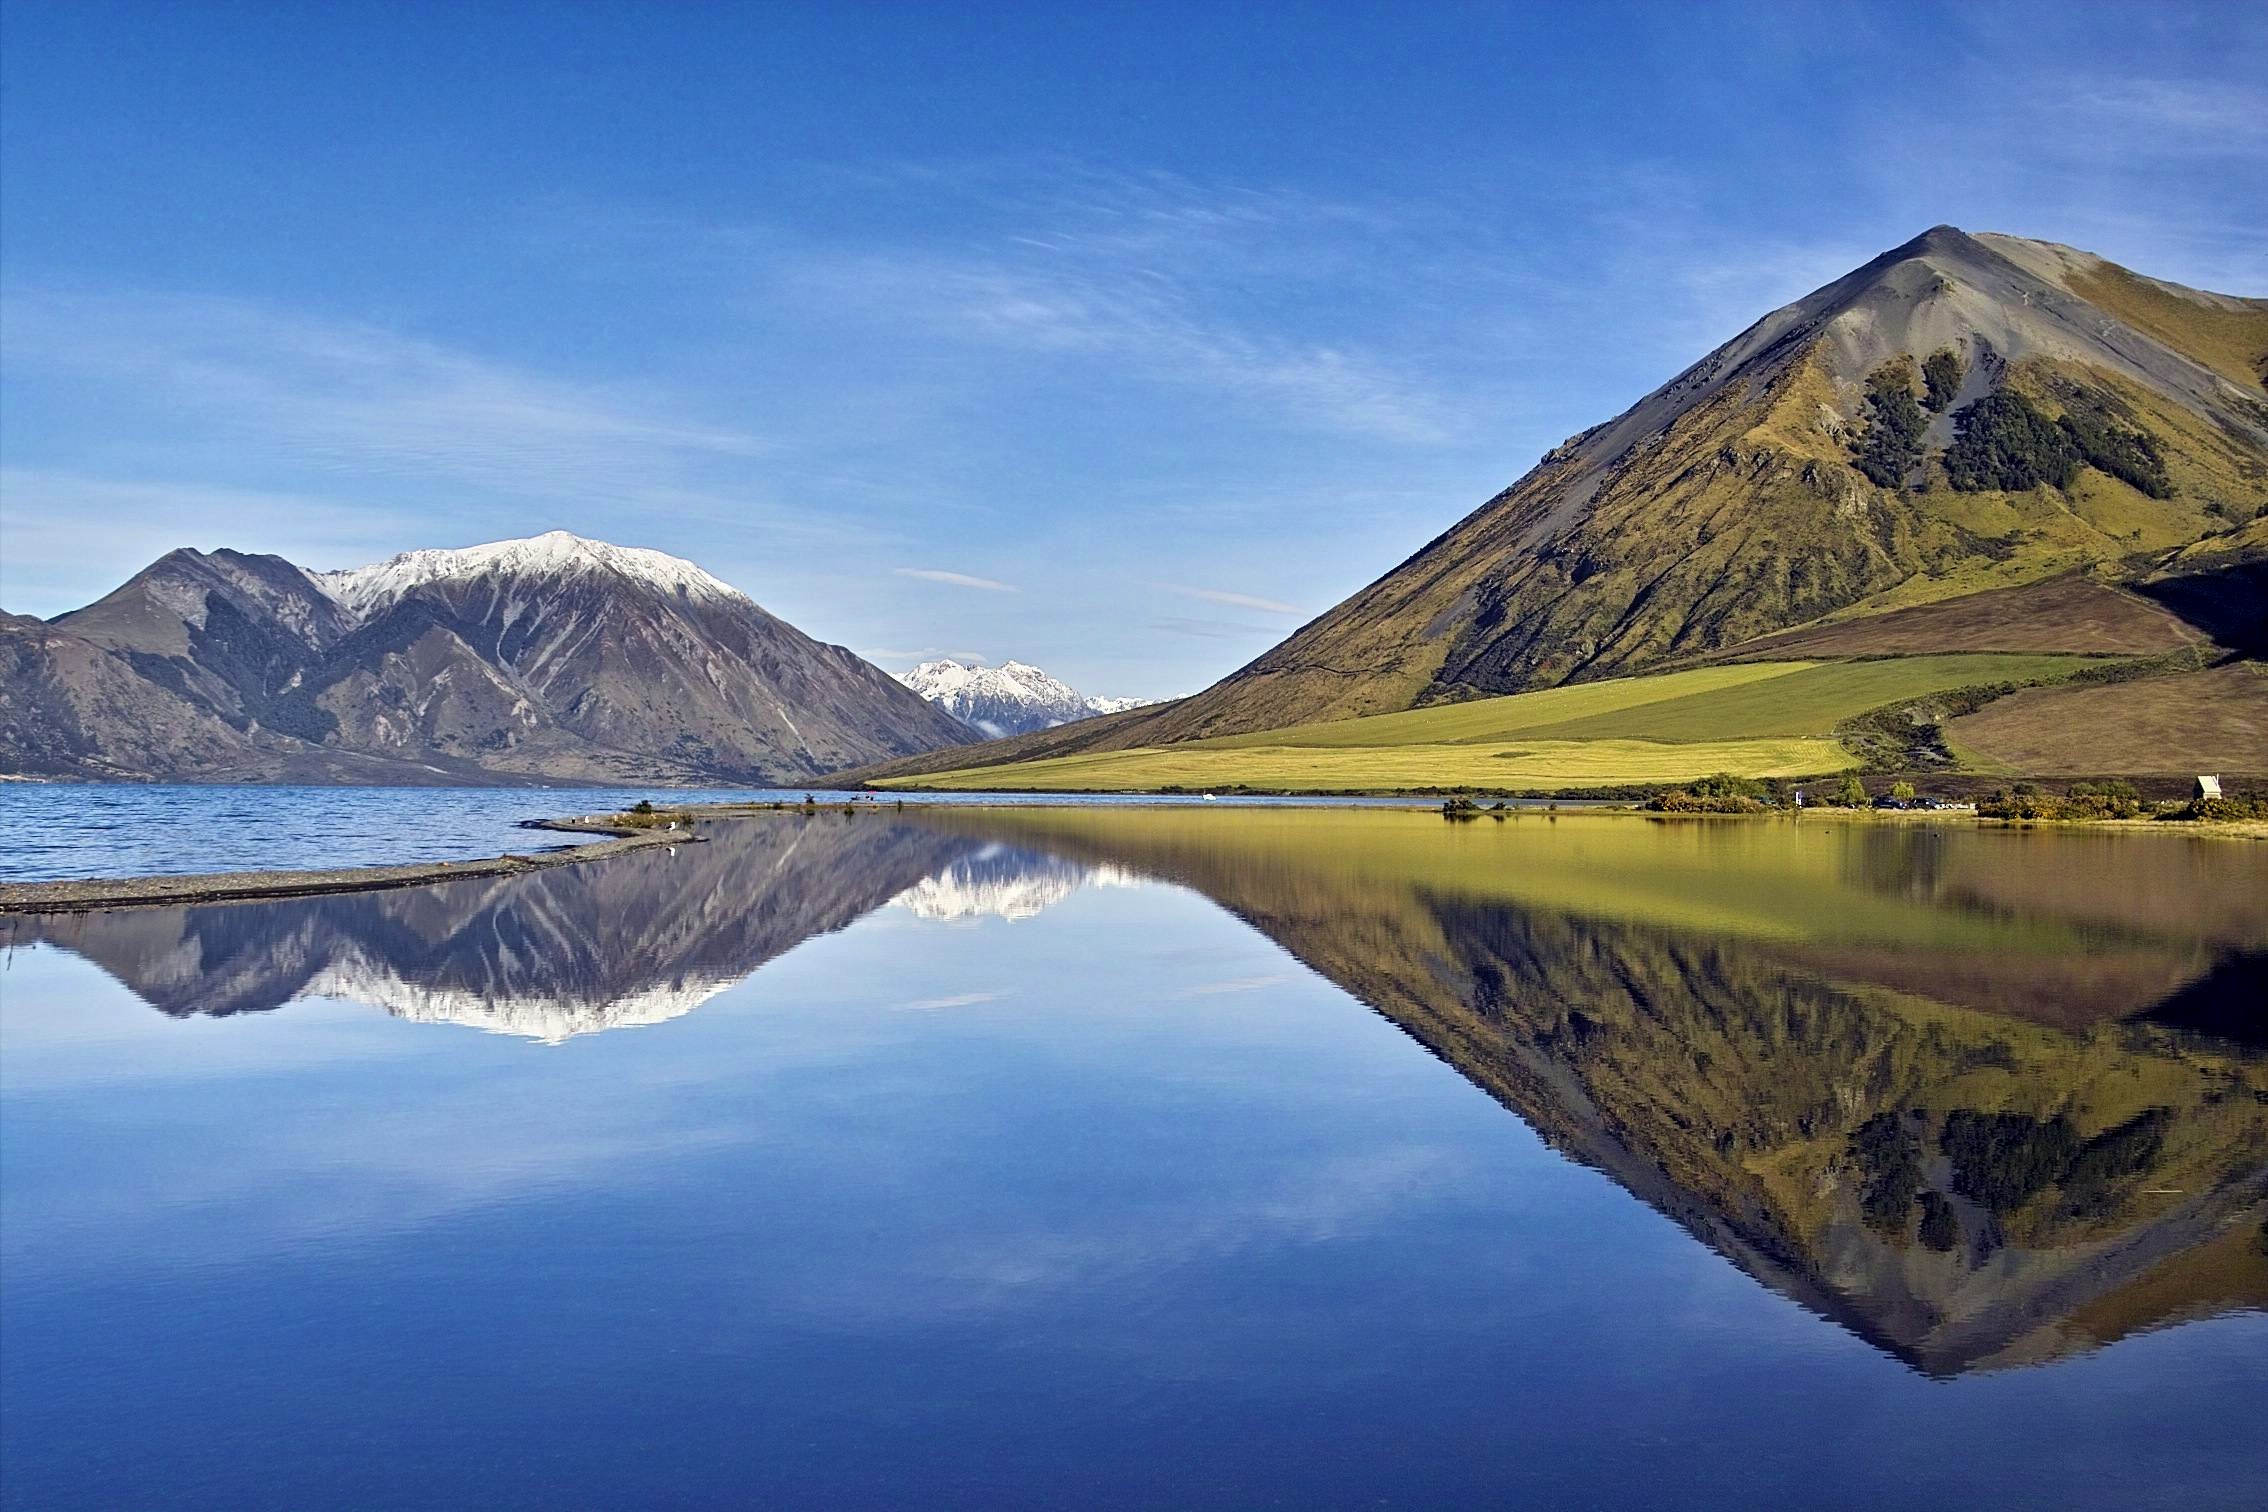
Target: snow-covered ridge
554	554
1010	699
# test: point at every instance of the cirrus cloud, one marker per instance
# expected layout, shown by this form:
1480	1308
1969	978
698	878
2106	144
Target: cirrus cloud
956	579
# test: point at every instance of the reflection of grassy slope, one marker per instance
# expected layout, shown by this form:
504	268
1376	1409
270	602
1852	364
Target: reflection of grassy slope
1927	892
1757	719
1719	1083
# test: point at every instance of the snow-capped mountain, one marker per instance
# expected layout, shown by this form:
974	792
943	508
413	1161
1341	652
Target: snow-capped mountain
1013	698
550	657
553	557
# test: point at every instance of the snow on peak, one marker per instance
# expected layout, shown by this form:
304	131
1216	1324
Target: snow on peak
554	554
1010	699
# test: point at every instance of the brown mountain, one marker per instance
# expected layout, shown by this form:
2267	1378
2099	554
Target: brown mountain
551	658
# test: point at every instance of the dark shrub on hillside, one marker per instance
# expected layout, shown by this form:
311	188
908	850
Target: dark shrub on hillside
2000	1159
1940	1230
1941	378
2132	456
2002	442
2112	1157
1890	1156
1892	445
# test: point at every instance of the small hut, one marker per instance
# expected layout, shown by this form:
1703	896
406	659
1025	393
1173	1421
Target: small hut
2207	787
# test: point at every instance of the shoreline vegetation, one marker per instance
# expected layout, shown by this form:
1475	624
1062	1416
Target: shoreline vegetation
2243	815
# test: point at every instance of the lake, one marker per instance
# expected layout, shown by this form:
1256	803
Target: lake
1179	1156
51	830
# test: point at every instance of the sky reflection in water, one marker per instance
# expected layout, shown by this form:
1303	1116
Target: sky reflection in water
984	1159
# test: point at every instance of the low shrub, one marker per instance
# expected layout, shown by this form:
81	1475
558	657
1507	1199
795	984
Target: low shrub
1719	794
2247	804
2085	800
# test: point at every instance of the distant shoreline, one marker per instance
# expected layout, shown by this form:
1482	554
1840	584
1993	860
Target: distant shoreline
86	895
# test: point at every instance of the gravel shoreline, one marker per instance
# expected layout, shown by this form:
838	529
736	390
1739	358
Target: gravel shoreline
87	894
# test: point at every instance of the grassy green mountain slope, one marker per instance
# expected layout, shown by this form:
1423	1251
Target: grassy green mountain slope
1971	444
1802	471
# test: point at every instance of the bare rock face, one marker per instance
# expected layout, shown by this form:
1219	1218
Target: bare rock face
553	657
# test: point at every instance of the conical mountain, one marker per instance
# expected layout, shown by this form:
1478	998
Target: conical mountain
1736	500
1810	469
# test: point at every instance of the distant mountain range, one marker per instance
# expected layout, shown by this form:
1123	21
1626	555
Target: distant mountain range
1964	415
1013	698
551	658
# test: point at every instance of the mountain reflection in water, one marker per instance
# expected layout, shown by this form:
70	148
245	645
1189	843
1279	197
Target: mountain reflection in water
1984	1099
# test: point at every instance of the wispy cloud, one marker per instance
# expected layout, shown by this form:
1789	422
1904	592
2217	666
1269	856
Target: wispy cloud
956	579
881	654
1232	600
1154	276
351	398
2175	116
1212	629
951	1000
1238	984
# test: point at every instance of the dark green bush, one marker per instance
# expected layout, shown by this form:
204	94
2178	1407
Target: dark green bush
1941	378
2002	442
2129	455
1892	445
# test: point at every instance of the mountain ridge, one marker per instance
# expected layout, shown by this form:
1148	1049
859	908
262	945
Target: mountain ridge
1014	698
549	658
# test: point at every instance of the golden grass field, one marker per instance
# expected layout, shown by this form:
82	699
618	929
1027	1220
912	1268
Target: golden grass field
1754	719
1539	766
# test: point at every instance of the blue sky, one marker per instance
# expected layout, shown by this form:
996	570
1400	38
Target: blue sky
1120	339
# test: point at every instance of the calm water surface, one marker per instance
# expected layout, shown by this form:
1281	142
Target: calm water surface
53	830
1167	1158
